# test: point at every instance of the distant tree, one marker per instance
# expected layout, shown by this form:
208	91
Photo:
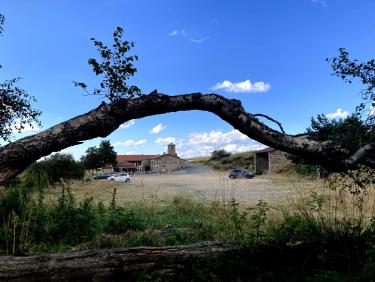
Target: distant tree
16	110
107	153
55	168
350	133
99	157
92	158
219	154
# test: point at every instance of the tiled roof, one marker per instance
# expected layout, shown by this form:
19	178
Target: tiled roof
134	158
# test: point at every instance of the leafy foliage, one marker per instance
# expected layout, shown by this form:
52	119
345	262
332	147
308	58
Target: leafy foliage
2	20
349	70
116	67
16	110
53	169
99	157
219	154
350	133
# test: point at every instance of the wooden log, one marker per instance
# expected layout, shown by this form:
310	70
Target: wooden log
203	261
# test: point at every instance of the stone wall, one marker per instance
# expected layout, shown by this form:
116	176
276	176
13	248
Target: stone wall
272	161
164	164
277	160
261	163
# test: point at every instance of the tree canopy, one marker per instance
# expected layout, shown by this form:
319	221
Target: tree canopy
101	156
350	69
219	154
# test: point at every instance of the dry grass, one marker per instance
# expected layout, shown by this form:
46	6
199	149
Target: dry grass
207	187
331	206
283	193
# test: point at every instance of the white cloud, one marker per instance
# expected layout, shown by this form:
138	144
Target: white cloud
340	113
128	124
165	140
158	128
173	33
183	32
26	128
321	2
31	128
243	86
203	143
130	142
372	111
199	40
194	37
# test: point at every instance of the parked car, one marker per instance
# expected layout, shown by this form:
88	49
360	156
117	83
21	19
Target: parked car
121	177
102	175
240	173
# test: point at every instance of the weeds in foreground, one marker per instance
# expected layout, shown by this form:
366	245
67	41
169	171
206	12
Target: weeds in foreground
323	236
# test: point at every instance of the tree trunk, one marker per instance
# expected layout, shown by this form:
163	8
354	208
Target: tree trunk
200	262
100	122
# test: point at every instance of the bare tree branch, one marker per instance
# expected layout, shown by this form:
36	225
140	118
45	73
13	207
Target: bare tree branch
271	119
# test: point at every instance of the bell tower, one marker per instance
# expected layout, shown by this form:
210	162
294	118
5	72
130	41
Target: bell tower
172	149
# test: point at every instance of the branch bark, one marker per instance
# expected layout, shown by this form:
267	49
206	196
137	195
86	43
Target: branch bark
106	118
135	264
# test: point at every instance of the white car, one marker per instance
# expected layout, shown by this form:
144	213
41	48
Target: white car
121	177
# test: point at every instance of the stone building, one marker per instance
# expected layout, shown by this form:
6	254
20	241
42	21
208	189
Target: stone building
269	160
131	163
165	163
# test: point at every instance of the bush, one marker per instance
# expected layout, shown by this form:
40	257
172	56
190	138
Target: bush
219	154
306	169
53	169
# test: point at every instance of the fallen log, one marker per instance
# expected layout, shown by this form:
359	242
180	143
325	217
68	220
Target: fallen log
200	262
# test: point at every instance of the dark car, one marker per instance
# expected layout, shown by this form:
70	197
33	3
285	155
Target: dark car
102	175
240	173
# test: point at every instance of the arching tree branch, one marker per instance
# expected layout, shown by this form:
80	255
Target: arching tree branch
106	118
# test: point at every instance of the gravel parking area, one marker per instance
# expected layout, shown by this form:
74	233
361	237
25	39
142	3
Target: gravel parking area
199	183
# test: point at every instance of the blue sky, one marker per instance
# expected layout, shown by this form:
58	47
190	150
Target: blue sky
270	54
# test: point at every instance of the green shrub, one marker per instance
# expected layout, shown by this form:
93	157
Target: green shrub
53	169
306	169
219	154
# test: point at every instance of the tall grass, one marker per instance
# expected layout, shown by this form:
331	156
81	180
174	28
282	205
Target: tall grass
328	234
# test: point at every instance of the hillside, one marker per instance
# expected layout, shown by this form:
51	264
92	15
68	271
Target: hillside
245	160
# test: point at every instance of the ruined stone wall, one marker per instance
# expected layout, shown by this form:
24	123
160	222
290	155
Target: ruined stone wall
277	160
261	163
